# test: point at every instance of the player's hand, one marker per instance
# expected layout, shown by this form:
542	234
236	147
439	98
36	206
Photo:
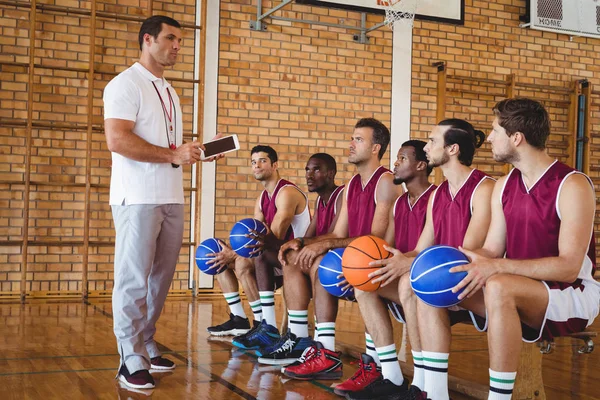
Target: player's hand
478	272
343	283
187	153
260	238
307	255
222	259
293	244
391	268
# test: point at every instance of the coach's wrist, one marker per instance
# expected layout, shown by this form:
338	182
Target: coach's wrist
300	242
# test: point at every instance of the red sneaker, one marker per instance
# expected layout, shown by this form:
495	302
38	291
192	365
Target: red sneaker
367	373
323	364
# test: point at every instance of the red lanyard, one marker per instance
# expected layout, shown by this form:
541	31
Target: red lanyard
168	115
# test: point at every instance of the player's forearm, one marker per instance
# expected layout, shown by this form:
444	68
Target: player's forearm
559	269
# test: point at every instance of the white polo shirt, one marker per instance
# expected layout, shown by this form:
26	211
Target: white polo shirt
131	96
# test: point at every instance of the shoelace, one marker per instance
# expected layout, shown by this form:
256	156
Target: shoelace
285	347
307	354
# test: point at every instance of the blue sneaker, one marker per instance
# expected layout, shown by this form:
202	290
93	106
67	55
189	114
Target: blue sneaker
286	351
264	336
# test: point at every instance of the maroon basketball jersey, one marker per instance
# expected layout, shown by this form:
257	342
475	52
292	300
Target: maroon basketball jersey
269	209
451	215
410	220
361	203
325	213
533	220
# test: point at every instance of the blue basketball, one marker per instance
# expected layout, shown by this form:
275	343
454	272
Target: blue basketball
430	279
329	269
208	246
238	239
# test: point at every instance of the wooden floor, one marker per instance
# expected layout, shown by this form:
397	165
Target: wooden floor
58	350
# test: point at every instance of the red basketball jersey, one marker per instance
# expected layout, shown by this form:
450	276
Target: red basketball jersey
533	219
269	208
361	203
409	220
452	214
326	212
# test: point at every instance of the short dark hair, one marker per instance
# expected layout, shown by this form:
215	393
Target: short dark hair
462	133
153	25
271	153
327	159
381	134
526	116
420	155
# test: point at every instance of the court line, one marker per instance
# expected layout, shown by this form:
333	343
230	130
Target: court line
240	392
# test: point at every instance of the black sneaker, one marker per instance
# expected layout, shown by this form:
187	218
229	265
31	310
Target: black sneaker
288	350
264	336
138	380
384	390
235	326
255	326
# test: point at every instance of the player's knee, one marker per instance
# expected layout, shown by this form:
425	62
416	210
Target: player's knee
405	291
498	290
360	295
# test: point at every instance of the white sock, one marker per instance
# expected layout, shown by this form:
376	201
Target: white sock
267	302
390	367
298	322
419	372
316	333
436	375
235	304
326	332
256	310
501	385
371	349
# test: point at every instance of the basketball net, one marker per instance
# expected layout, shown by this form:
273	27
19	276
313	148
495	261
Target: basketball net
399	12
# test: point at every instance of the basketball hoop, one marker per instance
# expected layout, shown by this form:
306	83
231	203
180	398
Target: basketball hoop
399	11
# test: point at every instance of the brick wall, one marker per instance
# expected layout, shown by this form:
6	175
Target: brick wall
59	154
299	87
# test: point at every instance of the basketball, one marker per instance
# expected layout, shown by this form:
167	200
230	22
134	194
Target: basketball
238	239
329	269
357	256
208	246
430	279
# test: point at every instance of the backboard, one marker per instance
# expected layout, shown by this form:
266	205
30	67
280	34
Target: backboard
451	11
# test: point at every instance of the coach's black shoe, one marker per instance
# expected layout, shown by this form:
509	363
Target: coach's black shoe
384	390
235	326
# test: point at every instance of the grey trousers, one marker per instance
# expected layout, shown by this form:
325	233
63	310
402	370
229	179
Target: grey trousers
147	246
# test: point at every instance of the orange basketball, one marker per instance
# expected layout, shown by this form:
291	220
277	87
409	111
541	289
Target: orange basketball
357	256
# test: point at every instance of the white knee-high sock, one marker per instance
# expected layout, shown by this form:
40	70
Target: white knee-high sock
436	375
501	385
327	334
235	304
419	372
267	302
390	367
256	310
371	348
298	322
316	332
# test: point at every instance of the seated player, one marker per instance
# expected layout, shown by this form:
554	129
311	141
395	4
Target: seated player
533	277
458	213
406	224
320	178
369	196
284	209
